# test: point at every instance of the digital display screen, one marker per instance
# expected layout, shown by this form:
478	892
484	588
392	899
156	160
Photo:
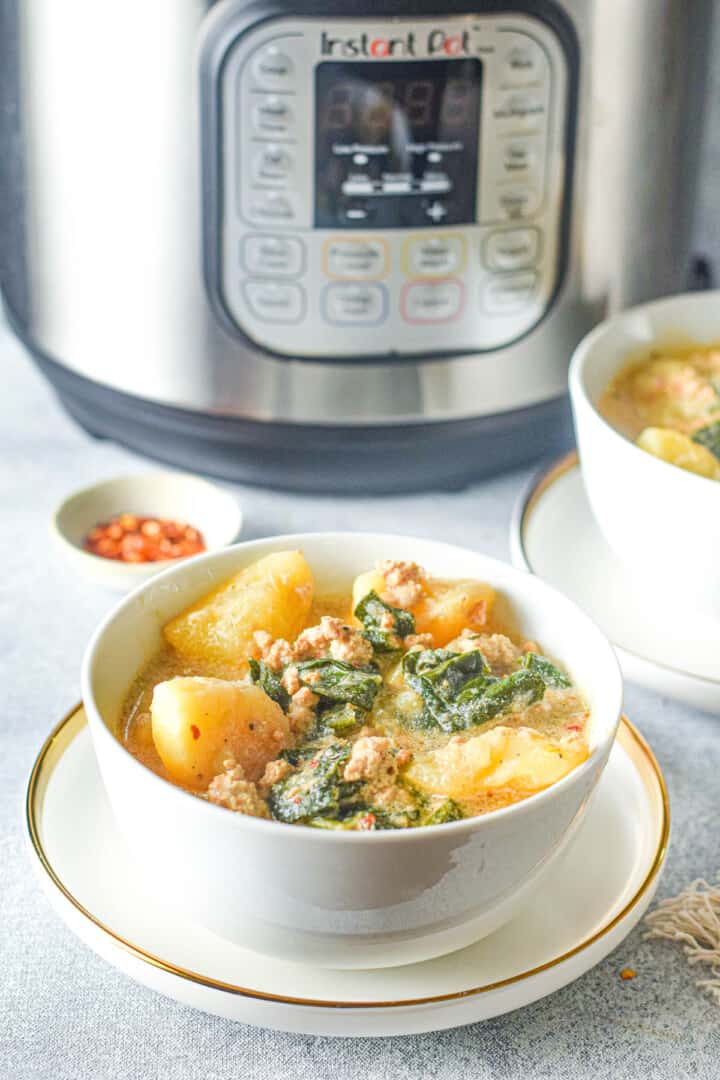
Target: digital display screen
396	143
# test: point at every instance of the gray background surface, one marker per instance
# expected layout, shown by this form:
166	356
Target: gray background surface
66	1014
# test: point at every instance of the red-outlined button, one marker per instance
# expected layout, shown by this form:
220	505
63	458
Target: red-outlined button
427	301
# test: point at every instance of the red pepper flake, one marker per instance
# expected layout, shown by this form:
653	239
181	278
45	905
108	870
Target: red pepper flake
574	727
628	973
367	822
134	539
313	763
195	731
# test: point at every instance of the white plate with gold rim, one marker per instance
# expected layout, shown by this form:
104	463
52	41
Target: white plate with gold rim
579	916
661	645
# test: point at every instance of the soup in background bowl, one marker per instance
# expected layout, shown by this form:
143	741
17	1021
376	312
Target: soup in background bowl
668	403
416	841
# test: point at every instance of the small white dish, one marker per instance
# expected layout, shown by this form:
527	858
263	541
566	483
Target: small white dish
349	899
582	912
211	509
663	521
555	536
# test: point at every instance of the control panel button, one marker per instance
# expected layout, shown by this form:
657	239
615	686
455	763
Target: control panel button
519	201
519	107
272	163
277	302
355	304
510	292
523	64
436	211
431	302
357	259
512	249
268	255
434	256
272	206
519	157
272	116
272	68
356	212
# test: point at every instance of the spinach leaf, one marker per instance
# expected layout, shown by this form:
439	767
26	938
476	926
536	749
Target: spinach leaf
459	693
442	678
454	672
369	818
338	681
340	719
514	692
269	681
550	675
317	789
355	821
447	810
375	615
709	437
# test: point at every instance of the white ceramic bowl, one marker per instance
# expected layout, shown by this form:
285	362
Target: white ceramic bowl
663	521
343	899
176	496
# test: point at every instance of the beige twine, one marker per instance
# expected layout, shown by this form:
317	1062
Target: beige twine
692	918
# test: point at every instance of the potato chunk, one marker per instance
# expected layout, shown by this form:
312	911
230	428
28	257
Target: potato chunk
370	581
273	594
503	757
452	606
444	610
680	450
199	723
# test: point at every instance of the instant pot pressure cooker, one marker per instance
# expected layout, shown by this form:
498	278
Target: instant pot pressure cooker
339	245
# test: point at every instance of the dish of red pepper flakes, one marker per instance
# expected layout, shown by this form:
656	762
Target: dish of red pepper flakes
134	539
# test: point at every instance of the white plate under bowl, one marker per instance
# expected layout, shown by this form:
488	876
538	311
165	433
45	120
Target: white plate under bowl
659	643
585	910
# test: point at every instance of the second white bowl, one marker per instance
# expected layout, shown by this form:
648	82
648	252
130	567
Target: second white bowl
662	521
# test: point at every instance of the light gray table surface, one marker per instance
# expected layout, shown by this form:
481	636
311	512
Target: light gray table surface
67	1015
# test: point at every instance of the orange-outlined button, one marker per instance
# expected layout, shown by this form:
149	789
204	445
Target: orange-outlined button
355	258
434	255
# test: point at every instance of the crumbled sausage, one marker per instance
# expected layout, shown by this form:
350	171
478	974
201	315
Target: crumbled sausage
275	771
231	790
332	637
301	712
371	757
468	640
479	614
498	650
274	653
403	757
291	680
404	582
415	641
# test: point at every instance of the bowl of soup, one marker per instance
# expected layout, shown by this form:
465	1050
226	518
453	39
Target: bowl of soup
645	390
349	749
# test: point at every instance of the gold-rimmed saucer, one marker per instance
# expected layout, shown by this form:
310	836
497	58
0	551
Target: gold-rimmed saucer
659	644
576	920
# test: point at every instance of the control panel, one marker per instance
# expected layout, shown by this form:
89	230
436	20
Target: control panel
391	188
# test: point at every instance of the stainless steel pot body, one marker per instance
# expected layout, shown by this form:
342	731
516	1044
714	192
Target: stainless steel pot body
104	219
